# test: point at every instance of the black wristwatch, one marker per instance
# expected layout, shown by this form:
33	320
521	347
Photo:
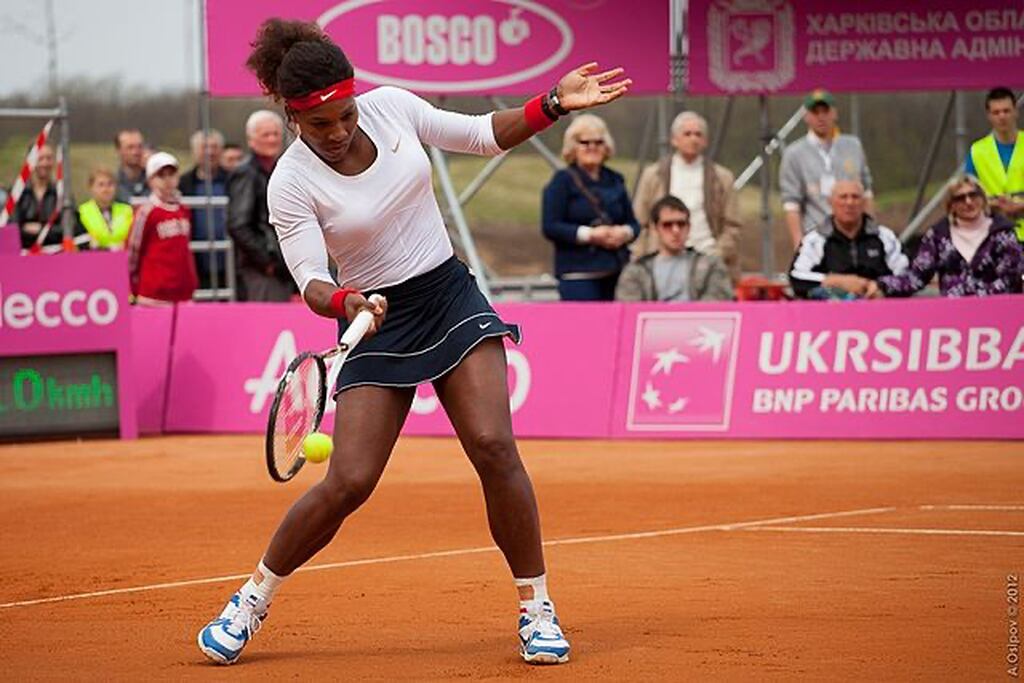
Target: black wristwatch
556	106
545	106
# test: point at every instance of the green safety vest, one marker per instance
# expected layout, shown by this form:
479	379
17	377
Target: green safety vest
106	235
995	179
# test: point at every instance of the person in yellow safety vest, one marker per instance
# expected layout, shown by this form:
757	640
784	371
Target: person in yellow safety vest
997	160
107	222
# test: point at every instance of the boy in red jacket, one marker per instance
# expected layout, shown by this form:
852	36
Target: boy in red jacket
161	266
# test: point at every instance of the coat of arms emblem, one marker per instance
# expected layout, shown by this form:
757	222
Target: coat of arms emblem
750	44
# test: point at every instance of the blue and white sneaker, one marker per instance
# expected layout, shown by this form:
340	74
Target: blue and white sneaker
223	639
541	640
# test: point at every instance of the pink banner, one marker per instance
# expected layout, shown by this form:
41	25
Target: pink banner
69	305
472	47
227	359
151	363
794	46
10	240
558	376
925	368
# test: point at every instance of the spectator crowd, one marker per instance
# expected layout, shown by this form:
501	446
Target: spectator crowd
677	239
688	246
139	207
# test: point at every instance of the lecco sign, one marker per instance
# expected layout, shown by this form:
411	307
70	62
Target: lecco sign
75	308
472	45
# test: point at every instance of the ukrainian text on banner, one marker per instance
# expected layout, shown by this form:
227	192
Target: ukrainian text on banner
785	46
936	368
472	47
227	360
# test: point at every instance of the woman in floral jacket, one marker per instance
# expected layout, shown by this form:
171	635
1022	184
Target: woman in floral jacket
973	253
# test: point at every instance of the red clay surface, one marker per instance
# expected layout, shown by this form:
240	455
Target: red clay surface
753	602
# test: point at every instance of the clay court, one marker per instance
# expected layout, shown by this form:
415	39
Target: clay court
669	561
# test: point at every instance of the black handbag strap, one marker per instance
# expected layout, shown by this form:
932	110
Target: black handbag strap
594	200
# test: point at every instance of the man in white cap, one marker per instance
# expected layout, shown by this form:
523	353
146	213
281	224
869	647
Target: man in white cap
161	267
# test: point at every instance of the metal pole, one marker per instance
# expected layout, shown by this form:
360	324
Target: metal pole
678	47
204	119
641	152
441	165
723	125
915	225
485	173
773	145
767	243
663	135
961	129
204	109
29	113
933	149
51	47
68	213
855	115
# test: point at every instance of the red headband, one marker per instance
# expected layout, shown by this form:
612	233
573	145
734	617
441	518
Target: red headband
338	91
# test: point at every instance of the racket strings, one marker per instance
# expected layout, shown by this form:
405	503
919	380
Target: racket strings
298	413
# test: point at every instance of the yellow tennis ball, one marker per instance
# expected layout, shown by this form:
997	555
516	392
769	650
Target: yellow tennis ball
317	447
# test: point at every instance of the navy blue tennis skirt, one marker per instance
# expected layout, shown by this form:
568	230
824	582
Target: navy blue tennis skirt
433	321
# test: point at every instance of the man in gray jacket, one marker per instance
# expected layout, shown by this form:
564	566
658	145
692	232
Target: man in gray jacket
812	165
675	272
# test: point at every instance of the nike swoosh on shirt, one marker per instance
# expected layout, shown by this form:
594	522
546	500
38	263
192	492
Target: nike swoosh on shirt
483	326
327	96
397	143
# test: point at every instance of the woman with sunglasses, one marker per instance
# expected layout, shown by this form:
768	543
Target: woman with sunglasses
973	252
587	214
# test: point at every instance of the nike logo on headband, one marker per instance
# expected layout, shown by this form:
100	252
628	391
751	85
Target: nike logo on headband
327	96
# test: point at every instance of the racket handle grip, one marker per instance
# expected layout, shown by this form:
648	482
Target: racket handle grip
359	325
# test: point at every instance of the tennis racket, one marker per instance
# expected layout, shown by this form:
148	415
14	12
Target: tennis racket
300	399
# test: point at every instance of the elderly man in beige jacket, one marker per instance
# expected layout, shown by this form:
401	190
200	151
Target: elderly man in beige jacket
704	186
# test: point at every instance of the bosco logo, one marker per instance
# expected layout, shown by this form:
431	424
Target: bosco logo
466	46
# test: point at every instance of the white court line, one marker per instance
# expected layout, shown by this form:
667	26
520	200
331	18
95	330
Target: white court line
879	530
447	553
1005	508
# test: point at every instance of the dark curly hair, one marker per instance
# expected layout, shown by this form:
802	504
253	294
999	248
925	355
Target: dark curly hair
294	58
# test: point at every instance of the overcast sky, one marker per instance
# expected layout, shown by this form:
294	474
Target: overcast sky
142	42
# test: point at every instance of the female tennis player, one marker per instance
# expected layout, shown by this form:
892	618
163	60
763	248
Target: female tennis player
357	184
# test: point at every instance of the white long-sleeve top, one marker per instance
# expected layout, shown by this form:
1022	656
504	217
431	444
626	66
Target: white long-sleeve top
382	226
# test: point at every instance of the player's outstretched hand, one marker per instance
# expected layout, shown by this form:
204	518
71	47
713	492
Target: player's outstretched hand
354	303
582	88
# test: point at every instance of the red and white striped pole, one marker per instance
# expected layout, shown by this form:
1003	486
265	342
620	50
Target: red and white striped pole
26	173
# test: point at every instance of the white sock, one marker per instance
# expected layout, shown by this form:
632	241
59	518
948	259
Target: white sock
532	592
263	584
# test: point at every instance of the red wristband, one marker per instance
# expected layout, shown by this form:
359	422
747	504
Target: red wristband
338	301
536	119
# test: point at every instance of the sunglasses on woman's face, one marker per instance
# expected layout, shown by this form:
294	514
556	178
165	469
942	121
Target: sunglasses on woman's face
964	196
590	143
